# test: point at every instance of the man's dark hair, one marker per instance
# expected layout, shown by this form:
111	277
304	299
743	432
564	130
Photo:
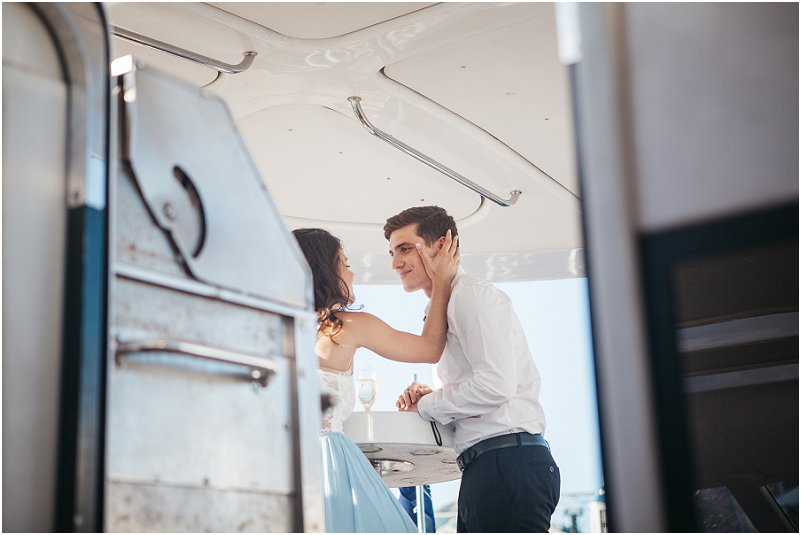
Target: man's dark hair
432	222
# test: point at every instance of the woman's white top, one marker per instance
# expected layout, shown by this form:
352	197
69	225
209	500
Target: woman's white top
343	392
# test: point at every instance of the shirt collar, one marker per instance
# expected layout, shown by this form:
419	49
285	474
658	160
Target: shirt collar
459	273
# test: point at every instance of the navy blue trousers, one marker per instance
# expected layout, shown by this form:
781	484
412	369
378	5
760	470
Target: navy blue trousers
509	490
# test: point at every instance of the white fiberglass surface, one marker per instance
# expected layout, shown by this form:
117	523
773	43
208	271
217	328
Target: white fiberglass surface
318	20
324	169
508	81
322	165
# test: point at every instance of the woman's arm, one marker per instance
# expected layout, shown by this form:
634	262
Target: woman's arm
365	330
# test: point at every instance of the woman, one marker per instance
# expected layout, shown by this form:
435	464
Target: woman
356	499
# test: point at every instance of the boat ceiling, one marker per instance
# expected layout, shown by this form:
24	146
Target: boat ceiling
476	86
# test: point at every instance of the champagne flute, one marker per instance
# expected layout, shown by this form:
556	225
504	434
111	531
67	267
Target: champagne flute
366	387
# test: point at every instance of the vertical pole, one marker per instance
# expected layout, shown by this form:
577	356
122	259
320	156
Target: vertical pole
421	509
420	498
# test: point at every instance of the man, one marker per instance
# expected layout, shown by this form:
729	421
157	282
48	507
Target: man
489	392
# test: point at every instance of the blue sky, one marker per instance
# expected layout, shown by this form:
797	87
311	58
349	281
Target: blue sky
555	316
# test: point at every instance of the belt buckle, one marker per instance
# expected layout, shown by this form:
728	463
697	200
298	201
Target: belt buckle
465	458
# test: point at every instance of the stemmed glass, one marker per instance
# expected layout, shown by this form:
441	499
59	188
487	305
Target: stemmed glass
366	387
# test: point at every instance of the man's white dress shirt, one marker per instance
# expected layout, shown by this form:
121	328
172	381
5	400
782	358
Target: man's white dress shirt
489	383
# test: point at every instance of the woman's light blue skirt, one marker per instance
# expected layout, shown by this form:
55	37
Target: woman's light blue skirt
356	499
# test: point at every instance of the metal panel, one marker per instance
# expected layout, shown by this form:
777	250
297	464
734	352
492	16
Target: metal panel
653	84
34	218
309	475
626	398
80	119
200	185
193	422
196	444
714	97
140	508
141	243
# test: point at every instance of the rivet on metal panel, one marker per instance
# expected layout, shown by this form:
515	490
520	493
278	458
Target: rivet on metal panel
169	211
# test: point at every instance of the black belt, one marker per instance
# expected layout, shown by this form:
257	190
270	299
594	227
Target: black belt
503	441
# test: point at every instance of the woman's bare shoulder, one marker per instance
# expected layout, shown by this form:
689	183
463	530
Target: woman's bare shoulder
355	318
357	327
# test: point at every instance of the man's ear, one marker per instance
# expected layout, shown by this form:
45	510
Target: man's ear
437	245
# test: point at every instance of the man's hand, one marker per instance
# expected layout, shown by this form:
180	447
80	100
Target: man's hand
407	401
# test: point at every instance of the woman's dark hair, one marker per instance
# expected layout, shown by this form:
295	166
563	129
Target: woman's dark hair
331	293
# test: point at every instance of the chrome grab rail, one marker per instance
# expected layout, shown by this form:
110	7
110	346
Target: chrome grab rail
355	102
220	66
261	371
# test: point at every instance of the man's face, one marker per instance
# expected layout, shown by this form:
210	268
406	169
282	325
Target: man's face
405	260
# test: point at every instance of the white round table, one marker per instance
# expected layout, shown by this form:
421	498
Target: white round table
403	447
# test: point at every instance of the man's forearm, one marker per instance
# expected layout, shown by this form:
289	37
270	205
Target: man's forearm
463	400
